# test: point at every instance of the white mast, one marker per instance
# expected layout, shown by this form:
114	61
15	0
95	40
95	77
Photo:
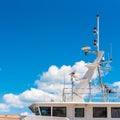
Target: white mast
97	34
85	82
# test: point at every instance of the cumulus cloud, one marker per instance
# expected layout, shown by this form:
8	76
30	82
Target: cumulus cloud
13	100
27	97
35	95
52	80
116	84
4	107
49	86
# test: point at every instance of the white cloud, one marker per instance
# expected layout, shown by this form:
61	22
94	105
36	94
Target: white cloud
50	82
53	79
4	107
13	100
26	98
116	84
54	74
57	74
35	95
49	86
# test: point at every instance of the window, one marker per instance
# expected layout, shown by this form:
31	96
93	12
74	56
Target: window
99	112
45	111
37	111
79	112
59	111
115	112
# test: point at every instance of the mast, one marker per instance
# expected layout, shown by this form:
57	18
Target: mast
85	84
98	48
97	34
86	81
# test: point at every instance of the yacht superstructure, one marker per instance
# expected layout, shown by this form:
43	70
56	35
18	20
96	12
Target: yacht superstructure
75	107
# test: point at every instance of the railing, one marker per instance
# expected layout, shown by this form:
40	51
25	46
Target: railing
112	96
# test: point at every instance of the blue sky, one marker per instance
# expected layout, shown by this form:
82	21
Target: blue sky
34	35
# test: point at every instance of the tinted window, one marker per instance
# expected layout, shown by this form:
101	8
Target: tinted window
45	111
79	112
115	112
99	112
59	111
37	111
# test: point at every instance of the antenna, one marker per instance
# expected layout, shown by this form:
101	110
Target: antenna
86	49
111	52
63	95
96	32
72	82
97	35
101	84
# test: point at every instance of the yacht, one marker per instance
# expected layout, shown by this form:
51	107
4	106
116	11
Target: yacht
80	103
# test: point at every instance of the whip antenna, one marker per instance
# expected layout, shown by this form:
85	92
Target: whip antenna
111	52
